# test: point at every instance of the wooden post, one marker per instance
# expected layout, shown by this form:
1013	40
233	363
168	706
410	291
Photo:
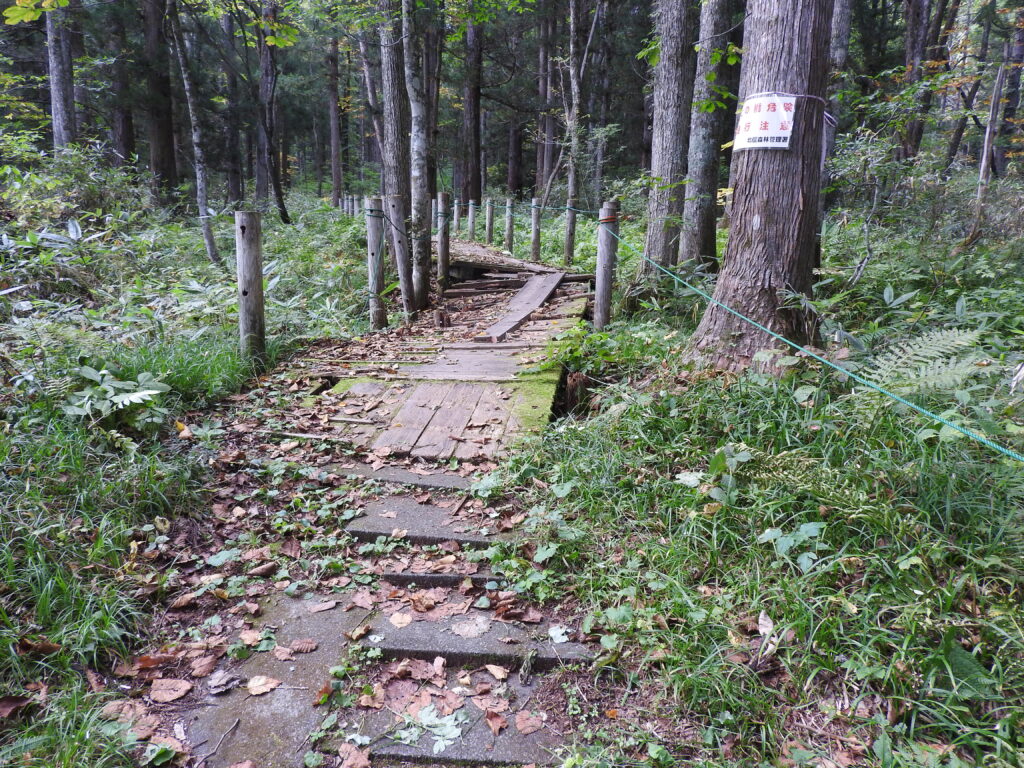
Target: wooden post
403	263
570	230
443	240
489	222
375	261
457	215
607	248
471	223
249	263
535	229
433	212
509	223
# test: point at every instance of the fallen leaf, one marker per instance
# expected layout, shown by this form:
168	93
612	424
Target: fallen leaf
529	722
221	681
184	601
400	620
353	757
490	701
373	700
283	653
170	742
145	727
246	764
495	721
204	666
305	645
250	637
765	625
292	548
358	632
40	647
96	684
184	433
321	607
167	689
499	673
399	533
258	685
11	704
263	570
475	627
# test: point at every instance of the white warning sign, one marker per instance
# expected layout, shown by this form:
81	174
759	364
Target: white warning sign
766	122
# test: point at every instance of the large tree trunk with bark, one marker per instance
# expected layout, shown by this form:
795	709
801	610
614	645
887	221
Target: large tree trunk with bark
234	172
160	114
673	98
198	151
61	76
334	120
1010	127
122	125
773	240
471	178
709	121
268	166
419	144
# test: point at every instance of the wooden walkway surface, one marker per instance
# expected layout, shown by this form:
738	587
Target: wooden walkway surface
469	388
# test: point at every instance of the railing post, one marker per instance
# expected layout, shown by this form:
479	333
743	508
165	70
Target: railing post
433	212
509	224
489	222
249	265
403	258
375	261
570	230
471	223
457	215
607	249
535	229
443	240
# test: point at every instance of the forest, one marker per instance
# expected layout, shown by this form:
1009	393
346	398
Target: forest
539	382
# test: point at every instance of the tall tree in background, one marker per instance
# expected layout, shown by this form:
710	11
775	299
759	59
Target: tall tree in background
419	141
709	123
122	123
772	245
1009	128
673	97
234	172
61	76
159	111
334	118
471	175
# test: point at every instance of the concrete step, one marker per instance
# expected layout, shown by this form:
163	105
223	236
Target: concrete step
422	523
389	474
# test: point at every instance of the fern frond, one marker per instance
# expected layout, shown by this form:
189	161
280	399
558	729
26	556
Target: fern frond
893	366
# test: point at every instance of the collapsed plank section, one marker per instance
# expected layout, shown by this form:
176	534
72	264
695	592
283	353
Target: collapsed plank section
528	300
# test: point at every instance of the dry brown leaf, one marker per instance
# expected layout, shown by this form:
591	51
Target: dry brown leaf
358	632
474	627
321	607
261	684
499	673
40	647
184	601
145	727
204	666
250	637
373	700
171	743
400	620
167	689
9	705
292	548
246	764
304	645
283	653
263	570
529	722
96	684
495	721
422	602
489	701
353	757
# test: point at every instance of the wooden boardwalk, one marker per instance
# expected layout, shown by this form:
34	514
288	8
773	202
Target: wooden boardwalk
464	390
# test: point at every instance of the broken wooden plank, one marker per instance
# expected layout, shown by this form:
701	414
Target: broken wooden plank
482	436
412	418
444	432
529	299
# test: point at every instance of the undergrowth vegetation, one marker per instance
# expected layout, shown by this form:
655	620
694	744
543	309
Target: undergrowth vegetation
115	325
800	569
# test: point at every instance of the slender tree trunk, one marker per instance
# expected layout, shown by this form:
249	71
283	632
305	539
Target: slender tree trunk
709	118
419	140
233	163
61	75
601	92
1009	128
432	60
915	44
346	139
471	112
122	126
839	50
198	153
514	177
543	65
160	115
334	120
268	167
773	238
968	99
673	99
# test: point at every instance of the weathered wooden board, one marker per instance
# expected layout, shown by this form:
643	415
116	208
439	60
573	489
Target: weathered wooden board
412	418
482	436
530	297
444	432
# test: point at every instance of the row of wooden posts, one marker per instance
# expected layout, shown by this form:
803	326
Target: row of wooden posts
249	256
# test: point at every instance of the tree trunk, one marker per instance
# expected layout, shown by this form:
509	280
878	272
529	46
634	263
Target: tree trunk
471	112
514	177
572	126
160	115
915	43
839	50
673	98
773	238
198	153
432	61
268	168
122	126
709	119
61	75
600	91
334	120
543	65
1009	128
419	142
233	163
968	99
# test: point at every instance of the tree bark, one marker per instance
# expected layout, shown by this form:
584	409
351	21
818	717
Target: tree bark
268	166
419	144
198	153
915	44
471	178
233	164
61	76
122	125
773	238
543	67
334	120
514	177
673	98
709	120
1009	127
160	115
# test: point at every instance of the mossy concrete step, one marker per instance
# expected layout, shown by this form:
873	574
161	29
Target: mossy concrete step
426	478
476	638
419	523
